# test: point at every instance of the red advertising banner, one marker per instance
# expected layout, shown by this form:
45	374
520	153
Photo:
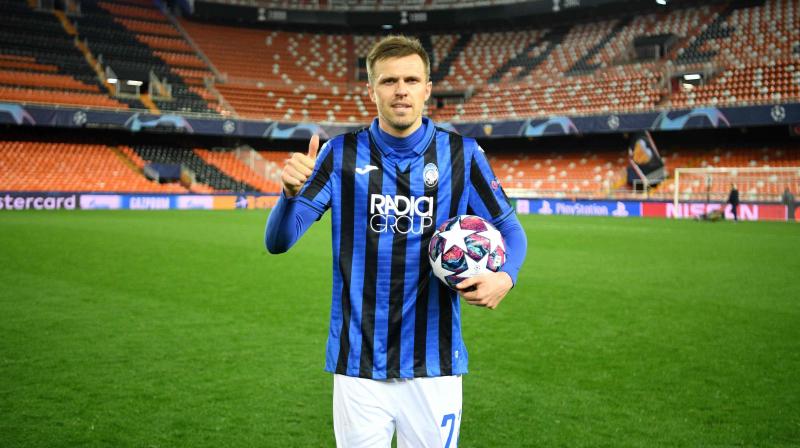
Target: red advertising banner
747	212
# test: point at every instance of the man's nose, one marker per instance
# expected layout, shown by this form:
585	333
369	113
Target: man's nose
402	89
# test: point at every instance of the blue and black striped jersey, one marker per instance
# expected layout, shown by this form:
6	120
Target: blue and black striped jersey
390	317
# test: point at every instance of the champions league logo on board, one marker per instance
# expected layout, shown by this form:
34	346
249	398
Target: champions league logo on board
430	174
228	127
778	113
613	122
79	118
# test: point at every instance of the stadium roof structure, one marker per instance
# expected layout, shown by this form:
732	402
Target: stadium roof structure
275	80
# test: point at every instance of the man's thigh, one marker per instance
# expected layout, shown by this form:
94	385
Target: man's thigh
362	414
429	412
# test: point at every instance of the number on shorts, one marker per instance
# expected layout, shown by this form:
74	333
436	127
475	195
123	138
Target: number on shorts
452	418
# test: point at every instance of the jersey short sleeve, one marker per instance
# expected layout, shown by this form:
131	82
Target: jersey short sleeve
316	193
486	195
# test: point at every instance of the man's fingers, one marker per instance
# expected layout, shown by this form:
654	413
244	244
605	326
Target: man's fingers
290	179
298	169
479	291
293	174
468	289
466	284
313	146
301	164
301	160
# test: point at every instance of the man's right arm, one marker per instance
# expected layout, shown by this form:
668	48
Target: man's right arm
287	222
291	216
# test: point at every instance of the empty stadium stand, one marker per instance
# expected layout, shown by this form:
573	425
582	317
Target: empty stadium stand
281	75
747	52
751	187
567	173
227	162
135	39
59	166
747	48
751	51
39	62
206	174
365	5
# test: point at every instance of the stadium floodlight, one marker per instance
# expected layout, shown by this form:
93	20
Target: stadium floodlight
132	82
387	26
662	2
112	80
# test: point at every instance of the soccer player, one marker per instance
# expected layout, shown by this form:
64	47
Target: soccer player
394	344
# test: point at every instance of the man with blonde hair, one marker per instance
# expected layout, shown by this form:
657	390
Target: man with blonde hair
394	344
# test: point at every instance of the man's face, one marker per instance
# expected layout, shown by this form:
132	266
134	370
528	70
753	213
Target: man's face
400	88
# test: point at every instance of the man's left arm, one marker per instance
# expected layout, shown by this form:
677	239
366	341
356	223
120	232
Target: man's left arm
487	199
490	289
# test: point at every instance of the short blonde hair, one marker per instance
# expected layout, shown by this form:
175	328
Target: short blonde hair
397	46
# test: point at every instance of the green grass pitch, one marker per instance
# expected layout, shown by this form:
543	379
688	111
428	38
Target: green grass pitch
177	329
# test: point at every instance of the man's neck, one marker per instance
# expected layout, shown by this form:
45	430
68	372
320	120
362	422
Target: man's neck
402	147
399	133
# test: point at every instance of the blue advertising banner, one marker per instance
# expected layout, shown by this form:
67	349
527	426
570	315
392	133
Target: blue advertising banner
547	206
148	202
618	209
667	120
113	201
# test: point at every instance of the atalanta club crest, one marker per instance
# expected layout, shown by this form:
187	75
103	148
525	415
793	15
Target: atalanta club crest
430	174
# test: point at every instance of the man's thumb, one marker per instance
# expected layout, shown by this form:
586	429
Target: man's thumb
313	145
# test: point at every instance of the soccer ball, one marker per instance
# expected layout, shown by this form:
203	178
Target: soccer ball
465	246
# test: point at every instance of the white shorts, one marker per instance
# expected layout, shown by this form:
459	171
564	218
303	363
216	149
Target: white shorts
426	412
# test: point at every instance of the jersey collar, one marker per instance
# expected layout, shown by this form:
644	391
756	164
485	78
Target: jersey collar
401	148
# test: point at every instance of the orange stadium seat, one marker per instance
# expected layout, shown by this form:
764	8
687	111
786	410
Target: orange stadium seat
45	66
27	95
139	39
567	173
227	162
748	51
751	187
583	69
45	166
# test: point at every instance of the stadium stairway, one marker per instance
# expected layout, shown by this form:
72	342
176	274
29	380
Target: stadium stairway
123	32
205	173
584	68
40	63
227	161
